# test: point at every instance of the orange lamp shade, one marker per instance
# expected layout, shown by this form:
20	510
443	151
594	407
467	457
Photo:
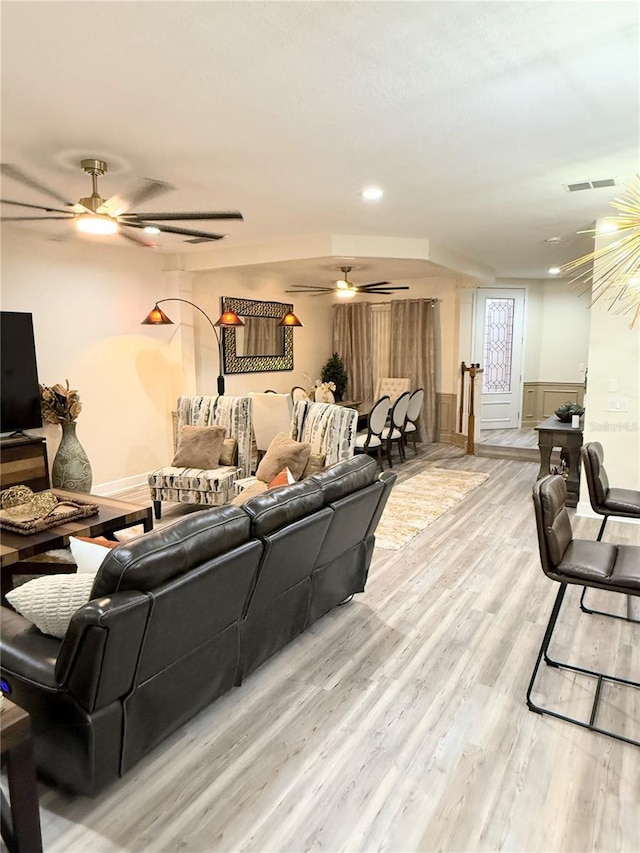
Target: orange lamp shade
229	318
290	320
157	317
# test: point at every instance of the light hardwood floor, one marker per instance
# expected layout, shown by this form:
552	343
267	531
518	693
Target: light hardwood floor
398	722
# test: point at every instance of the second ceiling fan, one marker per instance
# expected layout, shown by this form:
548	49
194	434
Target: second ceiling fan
346	289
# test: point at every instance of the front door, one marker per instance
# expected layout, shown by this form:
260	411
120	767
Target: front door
499	332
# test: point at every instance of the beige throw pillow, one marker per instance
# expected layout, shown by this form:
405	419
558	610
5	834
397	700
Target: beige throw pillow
283	452
314	465
199	447
50	601
228	452
251	491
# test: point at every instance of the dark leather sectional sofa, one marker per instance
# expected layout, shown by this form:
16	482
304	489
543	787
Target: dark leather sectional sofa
181	615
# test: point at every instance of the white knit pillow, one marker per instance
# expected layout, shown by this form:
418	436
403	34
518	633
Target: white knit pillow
50	601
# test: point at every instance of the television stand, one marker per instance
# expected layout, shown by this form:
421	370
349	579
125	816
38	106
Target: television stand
24	462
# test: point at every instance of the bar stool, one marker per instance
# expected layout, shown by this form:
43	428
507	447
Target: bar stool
566	560
606	501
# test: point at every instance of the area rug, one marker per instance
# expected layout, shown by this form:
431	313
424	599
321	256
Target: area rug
419	501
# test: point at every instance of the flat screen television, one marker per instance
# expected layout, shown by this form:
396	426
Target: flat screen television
19	391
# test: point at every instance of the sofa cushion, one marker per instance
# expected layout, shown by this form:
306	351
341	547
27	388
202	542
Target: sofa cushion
50	601
199	447
346	477
277	507
283	451
148	561
196	479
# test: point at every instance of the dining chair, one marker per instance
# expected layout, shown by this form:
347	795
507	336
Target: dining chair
392	386
371	437
395	431
414	410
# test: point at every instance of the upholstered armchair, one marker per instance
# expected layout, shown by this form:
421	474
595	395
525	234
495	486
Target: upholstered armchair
330	430
213	486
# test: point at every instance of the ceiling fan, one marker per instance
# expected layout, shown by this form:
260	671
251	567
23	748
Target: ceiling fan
345	289
95	215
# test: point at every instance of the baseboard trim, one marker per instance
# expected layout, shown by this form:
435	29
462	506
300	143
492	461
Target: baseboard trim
108	490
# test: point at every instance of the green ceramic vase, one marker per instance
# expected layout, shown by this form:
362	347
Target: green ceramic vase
71	469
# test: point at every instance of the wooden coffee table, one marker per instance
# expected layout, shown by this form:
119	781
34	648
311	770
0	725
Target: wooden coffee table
113	515
21	814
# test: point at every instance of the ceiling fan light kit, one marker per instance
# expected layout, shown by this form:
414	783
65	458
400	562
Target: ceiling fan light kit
96	215
96	224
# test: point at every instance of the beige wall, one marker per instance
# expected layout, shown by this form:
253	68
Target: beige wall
557	321
87	302
614	373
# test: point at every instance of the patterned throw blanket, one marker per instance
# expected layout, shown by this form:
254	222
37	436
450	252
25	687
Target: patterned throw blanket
330	430
232	413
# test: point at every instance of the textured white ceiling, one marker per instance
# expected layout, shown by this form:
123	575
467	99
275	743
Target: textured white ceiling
471	115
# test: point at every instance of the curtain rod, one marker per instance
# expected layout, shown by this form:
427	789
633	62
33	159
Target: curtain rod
432	300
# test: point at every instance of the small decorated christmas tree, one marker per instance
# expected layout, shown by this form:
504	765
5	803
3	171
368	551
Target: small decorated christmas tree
333	371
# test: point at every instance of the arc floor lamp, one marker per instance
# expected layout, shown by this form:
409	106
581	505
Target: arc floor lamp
228	319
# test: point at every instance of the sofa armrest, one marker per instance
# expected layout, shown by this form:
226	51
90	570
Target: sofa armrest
99	653
26	652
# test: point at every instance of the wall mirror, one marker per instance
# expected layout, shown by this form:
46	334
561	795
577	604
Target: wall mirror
260	345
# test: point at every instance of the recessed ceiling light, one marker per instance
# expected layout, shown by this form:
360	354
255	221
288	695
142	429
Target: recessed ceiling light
371	194
554	270
151	229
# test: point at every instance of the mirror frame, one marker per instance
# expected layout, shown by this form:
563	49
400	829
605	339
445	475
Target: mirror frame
234	363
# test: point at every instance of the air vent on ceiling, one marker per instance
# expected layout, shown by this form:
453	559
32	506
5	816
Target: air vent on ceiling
590	185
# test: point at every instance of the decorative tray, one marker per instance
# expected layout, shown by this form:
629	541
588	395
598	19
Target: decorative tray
63	512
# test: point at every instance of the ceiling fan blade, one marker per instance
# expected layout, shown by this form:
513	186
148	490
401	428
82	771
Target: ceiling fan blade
32	218
374	284
35	206
368	288
145	191
166	217
137	240
169	229
307	288
10	171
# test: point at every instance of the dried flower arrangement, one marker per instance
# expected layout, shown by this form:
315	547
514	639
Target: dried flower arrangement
59	404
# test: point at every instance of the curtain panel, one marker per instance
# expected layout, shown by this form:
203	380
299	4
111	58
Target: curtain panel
413	354
352	341
381	339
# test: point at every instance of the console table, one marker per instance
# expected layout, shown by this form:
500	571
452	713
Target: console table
553	433
23	460
20	814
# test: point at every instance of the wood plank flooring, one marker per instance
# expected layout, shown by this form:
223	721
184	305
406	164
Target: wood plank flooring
398	722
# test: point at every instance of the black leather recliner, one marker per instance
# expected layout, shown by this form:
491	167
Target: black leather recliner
178	616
